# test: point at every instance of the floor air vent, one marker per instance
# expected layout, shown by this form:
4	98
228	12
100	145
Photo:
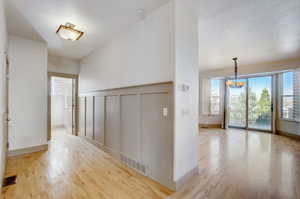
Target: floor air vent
9	181
133	164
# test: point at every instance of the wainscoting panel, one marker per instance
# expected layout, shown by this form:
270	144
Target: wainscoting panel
99	119
135	124
130	127
112	123
81	127
90	117
157	136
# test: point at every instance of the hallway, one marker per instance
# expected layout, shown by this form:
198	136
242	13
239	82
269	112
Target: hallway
232	164
72	168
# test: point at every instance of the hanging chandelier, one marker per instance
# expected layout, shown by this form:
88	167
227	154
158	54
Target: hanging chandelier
235	83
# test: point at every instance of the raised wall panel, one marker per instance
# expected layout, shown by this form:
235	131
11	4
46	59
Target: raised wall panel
157	139
112	123
81	127
99	119
130	127
130	123
90	117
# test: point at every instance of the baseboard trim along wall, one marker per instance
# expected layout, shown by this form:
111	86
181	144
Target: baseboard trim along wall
27	150
210	126
58	126
186	178
290	135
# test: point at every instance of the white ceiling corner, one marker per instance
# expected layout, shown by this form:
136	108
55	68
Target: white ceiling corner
99	19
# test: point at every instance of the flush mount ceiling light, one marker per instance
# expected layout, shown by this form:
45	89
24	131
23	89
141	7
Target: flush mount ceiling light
68	32
141	13
235	83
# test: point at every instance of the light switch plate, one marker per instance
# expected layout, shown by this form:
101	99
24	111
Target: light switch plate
165	111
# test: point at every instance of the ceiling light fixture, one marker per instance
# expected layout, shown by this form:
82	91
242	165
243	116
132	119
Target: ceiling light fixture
68	32
141	13
235	83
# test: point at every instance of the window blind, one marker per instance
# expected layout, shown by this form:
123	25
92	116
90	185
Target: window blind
296	81
205	93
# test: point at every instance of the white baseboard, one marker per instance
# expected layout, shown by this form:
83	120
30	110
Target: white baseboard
186	178
27	150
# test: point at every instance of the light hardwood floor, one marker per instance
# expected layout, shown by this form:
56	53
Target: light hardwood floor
236	164
72	168
232	164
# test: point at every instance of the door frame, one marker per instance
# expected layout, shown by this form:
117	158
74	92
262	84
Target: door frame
74	102
7	112
273	107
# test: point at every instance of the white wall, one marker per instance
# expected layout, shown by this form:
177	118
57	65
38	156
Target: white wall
3	28
57	110
61	106
3	46
61	115
210	119
143	54
186	103
63	65
27	93
163	47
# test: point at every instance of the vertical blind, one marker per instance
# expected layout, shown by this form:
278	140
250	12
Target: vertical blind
290	95
211	98
205	93
296	81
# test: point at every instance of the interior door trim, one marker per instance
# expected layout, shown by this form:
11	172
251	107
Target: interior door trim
71	76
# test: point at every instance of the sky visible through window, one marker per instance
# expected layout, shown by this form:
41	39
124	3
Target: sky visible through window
259	83
215	96
256	84
288	83
215	86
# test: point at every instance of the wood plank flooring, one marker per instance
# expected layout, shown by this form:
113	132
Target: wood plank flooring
238	164
233	164
72	168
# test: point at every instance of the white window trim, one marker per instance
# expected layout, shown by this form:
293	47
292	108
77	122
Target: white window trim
221	97
280	89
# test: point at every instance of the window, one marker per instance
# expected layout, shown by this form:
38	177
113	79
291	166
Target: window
287	96
215	96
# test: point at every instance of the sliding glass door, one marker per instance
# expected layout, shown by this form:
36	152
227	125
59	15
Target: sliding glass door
250	107
260	103
237	108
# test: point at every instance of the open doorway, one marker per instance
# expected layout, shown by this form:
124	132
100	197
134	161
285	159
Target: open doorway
62	104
